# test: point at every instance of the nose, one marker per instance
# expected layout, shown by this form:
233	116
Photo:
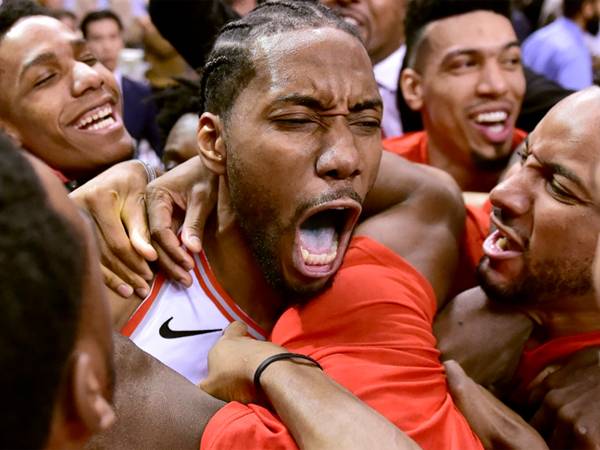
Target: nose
85	77
511	198
492	80
340	160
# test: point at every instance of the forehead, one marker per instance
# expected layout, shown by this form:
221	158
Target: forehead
569	136
104	25
33	36
327	63
477	30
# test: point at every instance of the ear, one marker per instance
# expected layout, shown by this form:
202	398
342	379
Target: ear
211	146
93	410
412	88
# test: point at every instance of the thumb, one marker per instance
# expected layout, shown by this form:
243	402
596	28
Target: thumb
458	380
236	329
495	423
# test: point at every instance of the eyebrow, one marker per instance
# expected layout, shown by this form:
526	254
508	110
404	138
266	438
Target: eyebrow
471	51
313	103
48	57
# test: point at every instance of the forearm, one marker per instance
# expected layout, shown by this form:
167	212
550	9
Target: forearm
319	413
156	407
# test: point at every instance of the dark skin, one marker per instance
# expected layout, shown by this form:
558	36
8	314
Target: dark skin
551	193
330	131
148	396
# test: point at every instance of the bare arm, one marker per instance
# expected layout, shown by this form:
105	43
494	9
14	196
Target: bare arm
318	412
156	407
485	338
417	211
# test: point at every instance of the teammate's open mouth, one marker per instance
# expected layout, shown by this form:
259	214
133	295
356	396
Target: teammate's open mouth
494	125
322	238
500	245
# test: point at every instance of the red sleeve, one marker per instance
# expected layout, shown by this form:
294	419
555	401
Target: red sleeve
238	426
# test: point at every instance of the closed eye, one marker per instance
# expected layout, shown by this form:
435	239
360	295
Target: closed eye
561	194
44	80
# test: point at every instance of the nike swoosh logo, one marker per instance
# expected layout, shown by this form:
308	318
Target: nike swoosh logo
168	333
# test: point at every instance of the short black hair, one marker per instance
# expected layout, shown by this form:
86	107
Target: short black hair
420	13
175	101
11	11
230	65
571	8
95	16
41	276
61	13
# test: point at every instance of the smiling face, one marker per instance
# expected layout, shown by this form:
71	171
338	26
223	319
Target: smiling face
58	100
468	84
380	23
303	148
547	212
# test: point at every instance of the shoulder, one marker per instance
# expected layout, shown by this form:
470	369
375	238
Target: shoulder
407	145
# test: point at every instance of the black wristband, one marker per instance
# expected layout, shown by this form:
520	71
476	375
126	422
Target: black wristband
278	357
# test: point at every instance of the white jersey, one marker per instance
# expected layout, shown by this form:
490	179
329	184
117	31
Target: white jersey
179	325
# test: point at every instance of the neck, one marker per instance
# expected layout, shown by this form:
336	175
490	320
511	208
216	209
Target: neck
468	176
564	318
235	267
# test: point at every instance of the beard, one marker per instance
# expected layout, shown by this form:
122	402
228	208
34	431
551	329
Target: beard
494	164
540	282
263	230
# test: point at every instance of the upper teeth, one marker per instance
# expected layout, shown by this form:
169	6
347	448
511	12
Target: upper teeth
99	114
492	117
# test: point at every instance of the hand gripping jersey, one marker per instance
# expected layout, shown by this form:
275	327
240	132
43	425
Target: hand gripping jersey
372	333
179	325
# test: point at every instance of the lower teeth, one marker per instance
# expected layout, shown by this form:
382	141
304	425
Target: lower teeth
318	260
502	243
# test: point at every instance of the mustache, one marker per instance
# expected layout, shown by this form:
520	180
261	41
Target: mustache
327	197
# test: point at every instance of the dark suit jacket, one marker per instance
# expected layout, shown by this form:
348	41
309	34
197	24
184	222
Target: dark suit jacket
139	113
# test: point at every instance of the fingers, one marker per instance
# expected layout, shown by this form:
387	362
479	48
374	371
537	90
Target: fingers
160	207
458	380
201	202
496	425
172	268
115	244
115	283
134	218
236	329
193	227
131	279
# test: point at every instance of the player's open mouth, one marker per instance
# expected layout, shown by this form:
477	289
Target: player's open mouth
494	125
501	245
323	236
97	119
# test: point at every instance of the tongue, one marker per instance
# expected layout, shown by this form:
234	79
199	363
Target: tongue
318	235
